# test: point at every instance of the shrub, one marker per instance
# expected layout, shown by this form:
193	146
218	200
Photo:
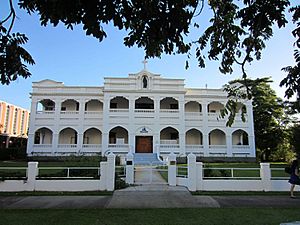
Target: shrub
13	153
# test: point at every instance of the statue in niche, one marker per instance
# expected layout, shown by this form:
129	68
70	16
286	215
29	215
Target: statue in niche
145	82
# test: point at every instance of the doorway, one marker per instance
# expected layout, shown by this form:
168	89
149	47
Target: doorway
144	144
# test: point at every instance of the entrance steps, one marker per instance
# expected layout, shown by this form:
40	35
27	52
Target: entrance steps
146	159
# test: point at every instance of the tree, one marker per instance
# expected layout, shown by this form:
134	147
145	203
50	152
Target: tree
269	116
237	33
295	138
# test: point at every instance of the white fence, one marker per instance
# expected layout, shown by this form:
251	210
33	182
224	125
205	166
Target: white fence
106	180
194	179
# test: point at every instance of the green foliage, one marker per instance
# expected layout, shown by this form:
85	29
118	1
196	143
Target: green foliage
292	80
268	111
295	138
13	153
13	56
119	182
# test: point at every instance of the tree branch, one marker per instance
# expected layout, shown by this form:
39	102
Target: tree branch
13	14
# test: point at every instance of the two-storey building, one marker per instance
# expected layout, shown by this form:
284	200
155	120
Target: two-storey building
141	113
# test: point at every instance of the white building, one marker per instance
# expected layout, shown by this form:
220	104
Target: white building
141	113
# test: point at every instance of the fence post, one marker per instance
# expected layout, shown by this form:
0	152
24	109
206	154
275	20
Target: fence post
32	172
192	175
199	175
103	175
129	168
172	169
265	174
110	172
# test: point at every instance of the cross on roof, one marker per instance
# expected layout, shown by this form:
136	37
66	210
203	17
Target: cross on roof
145	63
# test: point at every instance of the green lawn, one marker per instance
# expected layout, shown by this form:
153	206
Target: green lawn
232	216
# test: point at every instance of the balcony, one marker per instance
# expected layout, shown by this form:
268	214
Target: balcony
42	148
93	115
241	150
195	149
218	150
193	116
119	148
66	148
91	148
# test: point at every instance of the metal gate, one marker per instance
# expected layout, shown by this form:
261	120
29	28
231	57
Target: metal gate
150	174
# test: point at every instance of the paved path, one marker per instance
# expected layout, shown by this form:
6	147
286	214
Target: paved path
147	175
148	196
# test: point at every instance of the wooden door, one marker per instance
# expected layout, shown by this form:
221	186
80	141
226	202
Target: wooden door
143	144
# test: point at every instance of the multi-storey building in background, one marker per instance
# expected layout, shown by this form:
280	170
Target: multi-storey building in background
13	122
141	113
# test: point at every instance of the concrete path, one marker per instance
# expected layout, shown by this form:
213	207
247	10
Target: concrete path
147	175
159	196
148	196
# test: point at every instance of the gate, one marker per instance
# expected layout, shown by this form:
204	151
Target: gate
150	174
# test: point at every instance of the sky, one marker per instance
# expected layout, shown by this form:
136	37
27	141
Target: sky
79	60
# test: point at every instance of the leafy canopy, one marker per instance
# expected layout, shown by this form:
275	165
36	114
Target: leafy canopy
237	33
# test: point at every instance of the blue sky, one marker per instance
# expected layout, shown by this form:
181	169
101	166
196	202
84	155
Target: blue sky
76	59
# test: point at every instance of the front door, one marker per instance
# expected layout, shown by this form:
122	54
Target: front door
143	144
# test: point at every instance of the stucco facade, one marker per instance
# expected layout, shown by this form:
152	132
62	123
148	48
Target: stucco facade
143	112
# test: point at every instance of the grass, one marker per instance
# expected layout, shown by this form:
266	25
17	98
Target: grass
232	216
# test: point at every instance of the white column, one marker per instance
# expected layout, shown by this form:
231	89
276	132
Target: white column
205	145
199	175
105	132
103	175
205	129
79	142
265	175
32	172
131	132
30	143
192	175
251	129
31	129
129	169
110	175
55	135
55	142
105	137
181	125
156	125
172	169
229	145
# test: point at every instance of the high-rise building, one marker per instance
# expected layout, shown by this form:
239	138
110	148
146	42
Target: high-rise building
13	122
